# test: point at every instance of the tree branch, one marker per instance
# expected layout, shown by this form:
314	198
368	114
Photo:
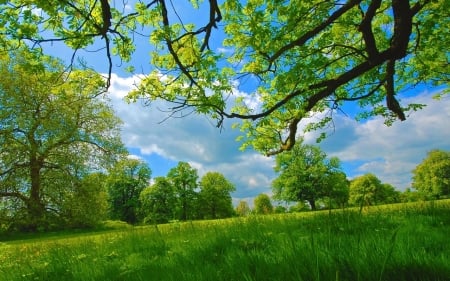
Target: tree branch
14	194
310	34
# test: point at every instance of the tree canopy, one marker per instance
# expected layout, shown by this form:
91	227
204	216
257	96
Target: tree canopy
126	180
54	130
293	59
368	190
183	178
306	174
158	201
432	176
263	205
214	196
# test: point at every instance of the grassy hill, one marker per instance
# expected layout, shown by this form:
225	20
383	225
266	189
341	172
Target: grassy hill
390	242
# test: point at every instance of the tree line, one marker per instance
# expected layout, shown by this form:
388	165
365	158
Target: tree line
308	180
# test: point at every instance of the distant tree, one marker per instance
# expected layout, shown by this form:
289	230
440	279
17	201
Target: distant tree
280	209
299	206
125	182
158	201
368	190
54	130
86	204
242	209
263	205
432	176
184	180
411	196
391	195
337	192
214	196
306	174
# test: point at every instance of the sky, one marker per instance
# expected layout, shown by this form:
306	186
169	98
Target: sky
391	153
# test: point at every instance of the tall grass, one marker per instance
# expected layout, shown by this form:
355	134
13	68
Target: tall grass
396	242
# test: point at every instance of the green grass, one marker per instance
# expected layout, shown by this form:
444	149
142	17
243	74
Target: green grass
393	242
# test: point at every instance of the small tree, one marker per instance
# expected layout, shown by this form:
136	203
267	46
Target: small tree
158	201
305	174
125	182
432	176
214	196
184	180
368	190
263	205
242	209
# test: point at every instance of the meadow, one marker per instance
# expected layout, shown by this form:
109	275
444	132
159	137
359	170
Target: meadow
391	242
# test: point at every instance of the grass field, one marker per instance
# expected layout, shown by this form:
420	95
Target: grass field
391	242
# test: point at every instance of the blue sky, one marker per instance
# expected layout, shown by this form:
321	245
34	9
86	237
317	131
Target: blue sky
391	153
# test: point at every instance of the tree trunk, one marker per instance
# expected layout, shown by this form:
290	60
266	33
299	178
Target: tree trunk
312	203
35	206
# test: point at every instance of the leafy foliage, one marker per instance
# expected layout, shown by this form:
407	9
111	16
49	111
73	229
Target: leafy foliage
158	202
432	176
242	208
368	190
263	205
306	174
214	197
126	180
184	180
86	206
295	58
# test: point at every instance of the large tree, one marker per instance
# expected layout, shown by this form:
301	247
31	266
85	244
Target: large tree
432	176
125	182
214	197
54	129
295	58
306	174
158	201
369	190
184	180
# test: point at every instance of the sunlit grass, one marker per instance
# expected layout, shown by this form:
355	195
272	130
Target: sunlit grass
392	242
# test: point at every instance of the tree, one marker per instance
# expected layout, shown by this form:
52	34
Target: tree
337	193
306	174
125	182
432	176
54	130
302	57
86	205
369	190
263	205
214	197
158	201
184	179
411	196
242	209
